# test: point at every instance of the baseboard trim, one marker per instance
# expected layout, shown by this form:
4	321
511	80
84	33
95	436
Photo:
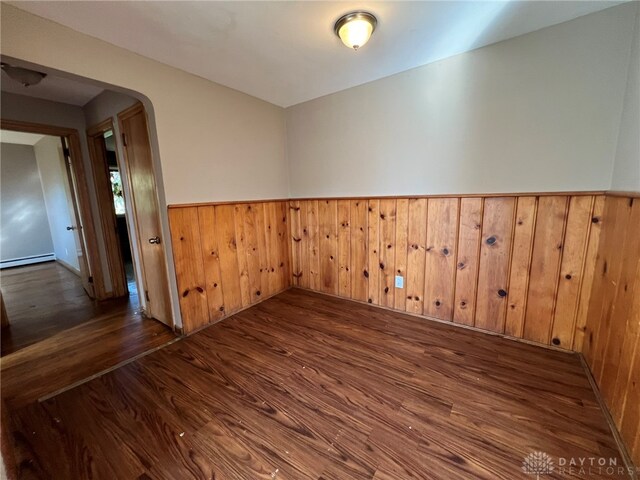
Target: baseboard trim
624	452
19	262
69	267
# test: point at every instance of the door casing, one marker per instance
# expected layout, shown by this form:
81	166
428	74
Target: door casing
105	205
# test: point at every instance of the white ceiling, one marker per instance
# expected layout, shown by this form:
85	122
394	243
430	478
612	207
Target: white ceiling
8	136
53	88
286	52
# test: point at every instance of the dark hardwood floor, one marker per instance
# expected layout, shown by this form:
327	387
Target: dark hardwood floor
45	299
58	336
305	386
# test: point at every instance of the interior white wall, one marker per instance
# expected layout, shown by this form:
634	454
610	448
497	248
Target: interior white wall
57	199
626	171
35	110
539	112
24	229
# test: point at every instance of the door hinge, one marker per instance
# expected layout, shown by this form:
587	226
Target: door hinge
124	140
146	295
90	279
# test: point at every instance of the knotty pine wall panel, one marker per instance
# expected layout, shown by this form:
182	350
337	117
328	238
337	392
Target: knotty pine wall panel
514	265
231	256
611	341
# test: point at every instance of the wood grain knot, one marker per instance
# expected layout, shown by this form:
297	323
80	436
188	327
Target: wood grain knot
502	293
382	216
389	246
556	341
215	285
461	265
414	246
221	308
445	251
296	239
185	293
463	304
386	289
258	293
568	276
437	303
595	220
491	240
381	266
366	274
200	289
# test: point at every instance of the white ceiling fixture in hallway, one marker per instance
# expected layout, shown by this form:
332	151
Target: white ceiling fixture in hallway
55	89
286	52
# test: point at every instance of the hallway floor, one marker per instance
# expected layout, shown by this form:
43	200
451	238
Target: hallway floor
59	336
45	299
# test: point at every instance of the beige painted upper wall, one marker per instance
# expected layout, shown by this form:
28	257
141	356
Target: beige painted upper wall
215	143
626	171
540	112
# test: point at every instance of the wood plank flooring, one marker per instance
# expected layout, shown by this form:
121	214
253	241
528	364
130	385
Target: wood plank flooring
45	299
306	386
58	336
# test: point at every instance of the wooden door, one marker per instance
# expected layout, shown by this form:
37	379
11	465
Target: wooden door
100	164
77	229
139	167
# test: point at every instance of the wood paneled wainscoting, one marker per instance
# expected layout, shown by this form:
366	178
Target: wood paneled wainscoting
515	265
612	341
228	257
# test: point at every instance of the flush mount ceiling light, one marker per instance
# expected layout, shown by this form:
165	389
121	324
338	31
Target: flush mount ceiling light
24	76
355	28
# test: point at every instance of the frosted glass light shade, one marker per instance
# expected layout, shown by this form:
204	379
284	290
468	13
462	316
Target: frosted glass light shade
355	29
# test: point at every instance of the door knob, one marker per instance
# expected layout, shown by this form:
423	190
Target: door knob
155	240
71	228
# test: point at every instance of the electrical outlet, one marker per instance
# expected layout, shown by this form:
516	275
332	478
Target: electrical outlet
399	281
